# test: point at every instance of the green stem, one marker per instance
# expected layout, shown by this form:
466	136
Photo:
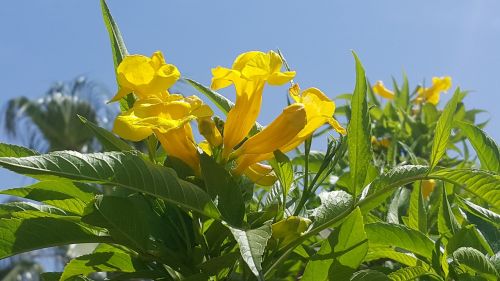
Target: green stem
305	193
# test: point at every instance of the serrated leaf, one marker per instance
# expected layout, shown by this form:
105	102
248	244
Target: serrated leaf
333	204
341	254
479	211
109	141
482	184
66	195
369	275
443	130
252	245
376	253
10	150
486	148
477	262
358	132
17	234
221	185
417	216
283	169
383	186
400	236
411	273
122	169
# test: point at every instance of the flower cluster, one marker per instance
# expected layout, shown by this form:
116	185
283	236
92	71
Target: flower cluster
168	116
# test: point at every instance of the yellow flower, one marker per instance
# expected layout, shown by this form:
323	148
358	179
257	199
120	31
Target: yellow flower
383	142
427	187
431	94
180	143
168	117
249	74
319	111
280	132
145	76
382	91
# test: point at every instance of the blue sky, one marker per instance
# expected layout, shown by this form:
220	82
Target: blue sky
48	41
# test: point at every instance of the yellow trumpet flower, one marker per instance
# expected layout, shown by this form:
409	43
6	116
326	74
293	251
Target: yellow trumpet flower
382	91
145	76
277	134
249	73
432	94
168	118
319	110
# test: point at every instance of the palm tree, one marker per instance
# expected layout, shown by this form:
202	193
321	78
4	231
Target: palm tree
51	122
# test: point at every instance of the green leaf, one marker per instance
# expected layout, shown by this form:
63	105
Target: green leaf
28	209
109	141
100	262
403	97
121	169
118	49
223	103
447	223
377	253
393	210
18	234
221	185
482	184
417	216
479	211
469	236
55	276
383	186
342	253
486	148
333	204
66	195
369	275
252	245
477	262
358	132
115	37
400	236
443	130
283	169
10	150
411	273
125	222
